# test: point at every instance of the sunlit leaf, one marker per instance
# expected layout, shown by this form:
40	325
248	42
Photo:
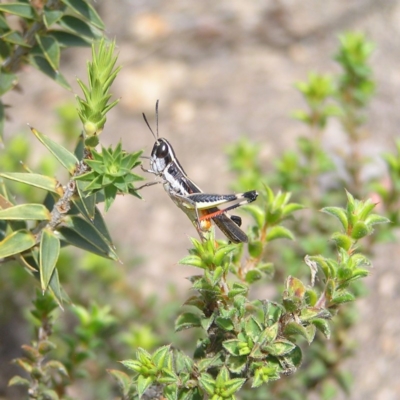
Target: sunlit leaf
49	253
16	242
40	181
25	212
67	159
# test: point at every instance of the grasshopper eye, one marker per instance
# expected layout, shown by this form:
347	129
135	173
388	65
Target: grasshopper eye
162	151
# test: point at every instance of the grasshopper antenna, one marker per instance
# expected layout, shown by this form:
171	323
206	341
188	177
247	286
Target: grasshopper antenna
148	125
157	116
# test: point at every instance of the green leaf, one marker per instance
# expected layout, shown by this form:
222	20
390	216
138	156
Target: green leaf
42	65
162	357
110	193
207	383
124	381
66	39
186	321
78	27
36	180
26	212
86	11
224	323
279	232
56	290
255	248
374	219
238	289
237	365
143	383
67	159
280	347
232	386
7	82
51	50
342	297
252	328
75	239
50	17
269	334
222	252
338	213
19	9
87	203
232	346
16	242
171	391
323	326
310	313
342	240
2	118
88	232
195	261
18	380
14	38
253	276
49	253
257	213
360	230
134	365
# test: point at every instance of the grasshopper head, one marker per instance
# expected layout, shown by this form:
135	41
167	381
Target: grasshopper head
161	155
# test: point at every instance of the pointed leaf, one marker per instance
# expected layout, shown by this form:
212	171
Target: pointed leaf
42	65
50	49
279	232
18	8
195	261
67	159
7	81
123	379
55	288
374	219
16	242
280	347
50	17
232	346
36	180
232	386
14	38
85	10
87	202
75	239
49	253
207	383
338	213
18	380
237	365
88	232
78	27
222	252
66	39
186	321
143	384
26	212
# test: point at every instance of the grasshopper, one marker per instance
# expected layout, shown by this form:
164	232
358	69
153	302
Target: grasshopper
201	208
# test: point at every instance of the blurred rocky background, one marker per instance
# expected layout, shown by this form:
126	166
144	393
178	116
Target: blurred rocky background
222	70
